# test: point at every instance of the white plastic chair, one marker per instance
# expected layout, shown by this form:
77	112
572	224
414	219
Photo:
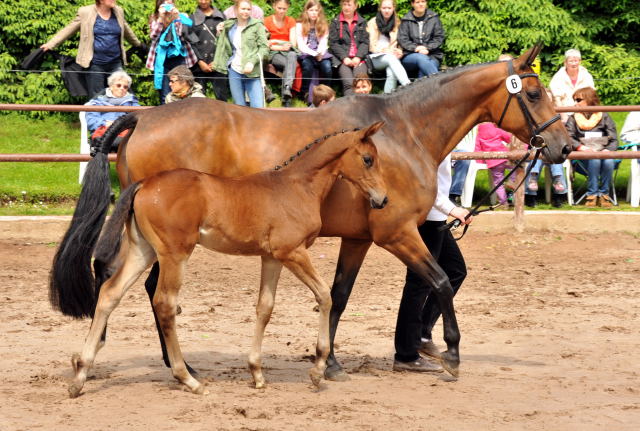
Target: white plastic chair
84	144
633	187
468	144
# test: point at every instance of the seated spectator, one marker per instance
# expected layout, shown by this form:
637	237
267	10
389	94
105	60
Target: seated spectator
492	138
384	53
282	44
183	85
203	35
349	44
362	84
242	46
421	37
312	39
593	131
631	128
169	45
568	79
323	94
116	94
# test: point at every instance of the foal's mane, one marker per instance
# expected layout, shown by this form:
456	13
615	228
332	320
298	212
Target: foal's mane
298	153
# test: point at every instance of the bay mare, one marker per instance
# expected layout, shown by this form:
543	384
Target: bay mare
423	123
272	214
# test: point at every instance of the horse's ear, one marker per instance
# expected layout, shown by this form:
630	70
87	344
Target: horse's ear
528	57
372	129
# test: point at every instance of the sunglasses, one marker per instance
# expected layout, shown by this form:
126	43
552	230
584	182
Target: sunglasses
173	81
125	86
578	99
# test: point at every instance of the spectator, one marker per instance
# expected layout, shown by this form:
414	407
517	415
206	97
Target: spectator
383	46
322	94
362	84
593	131
312	36
282	44
631	128
349	44
491	138
116	94
461	167
101	49
256	12
169	47
241	48
421	37
182	85
203	35
559	184
568	79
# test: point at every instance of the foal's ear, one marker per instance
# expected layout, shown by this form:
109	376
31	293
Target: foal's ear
372	129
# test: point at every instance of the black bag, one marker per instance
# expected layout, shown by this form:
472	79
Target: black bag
73	76
33	60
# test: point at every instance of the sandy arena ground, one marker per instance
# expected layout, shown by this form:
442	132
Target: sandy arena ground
549	324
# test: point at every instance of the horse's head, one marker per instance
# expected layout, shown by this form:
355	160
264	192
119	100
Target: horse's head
522	106
360	165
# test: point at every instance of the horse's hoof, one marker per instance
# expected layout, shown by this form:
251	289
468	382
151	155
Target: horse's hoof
74	390
316	377
336	374
261	385
450	363
199	390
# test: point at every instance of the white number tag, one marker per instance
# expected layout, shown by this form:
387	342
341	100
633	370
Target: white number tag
514	84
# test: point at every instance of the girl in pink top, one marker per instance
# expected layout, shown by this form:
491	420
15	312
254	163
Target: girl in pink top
491	138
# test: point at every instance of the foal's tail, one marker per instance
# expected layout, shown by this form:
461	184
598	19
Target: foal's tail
71	281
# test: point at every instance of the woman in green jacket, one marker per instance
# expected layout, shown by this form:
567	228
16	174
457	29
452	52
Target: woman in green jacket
241	47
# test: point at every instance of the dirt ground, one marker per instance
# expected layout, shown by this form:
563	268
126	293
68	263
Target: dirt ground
549	325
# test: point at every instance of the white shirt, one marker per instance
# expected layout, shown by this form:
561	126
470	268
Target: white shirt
442	205
631	129
562	88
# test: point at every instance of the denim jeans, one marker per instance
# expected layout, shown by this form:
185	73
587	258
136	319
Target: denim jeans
308	64
424	64
460	169
600	175
394	69
240	83
556	171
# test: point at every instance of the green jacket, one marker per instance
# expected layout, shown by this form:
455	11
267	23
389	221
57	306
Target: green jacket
254	46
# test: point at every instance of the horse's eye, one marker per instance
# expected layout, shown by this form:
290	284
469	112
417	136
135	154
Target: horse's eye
368	161
533	95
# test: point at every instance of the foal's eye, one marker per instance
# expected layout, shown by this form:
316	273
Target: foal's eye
534	95
368	161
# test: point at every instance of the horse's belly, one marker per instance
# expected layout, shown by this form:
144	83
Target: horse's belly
218	241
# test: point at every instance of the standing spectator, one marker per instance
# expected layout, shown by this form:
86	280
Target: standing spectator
183	85
312	38
282	44
383	46
241	48
101	49
256	12
116	94
169	47
421	37
322	94
349	44
492	138
568	79
203	35
593	131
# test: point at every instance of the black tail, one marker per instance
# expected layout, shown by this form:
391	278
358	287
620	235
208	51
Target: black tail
71	281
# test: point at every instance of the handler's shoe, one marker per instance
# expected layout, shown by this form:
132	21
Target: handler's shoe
428	348
605	201
420	365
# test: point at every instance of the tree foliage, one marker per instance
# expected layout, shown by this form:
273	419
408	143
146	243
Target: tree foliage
477	31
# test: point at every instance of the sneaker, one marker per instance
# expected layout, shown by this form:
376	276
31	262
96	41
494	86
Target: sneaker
532	184
429	348
558	187
420	365
605	201
591	201
530	201
269	96
557	200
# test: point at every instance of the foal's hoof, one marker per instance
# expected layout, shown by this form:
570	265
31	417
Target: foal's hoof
316	377
200	390
335	373
450	363
74	390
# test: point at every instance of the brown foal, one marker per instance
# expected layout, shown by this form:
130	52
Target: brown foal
272	214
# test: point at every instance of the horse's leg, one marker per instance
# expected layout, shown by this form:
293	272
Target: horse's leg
270	275
407	246
110	295
352	253
165	305
299	264
150	285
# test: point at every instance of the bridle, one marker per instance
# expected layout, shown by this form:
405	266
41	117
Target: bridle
537	142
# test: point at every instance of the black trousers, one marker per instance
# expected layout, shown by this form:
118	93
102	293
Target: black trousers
419	309
218	81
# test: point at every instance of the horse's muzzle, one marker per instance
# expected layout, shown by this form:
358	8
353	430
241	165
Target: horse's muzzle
377	205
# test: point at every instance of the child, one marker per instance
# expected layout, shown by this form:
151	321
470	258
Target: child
491	138
362	84
322	94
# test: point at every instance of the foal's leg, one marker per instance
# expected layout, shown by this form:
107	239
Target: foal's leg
270	274
299	264
138	259
165	305
352	253
407	246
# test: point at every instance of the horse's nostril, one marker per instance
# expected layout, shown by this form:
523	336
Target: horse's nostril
566	150
385	201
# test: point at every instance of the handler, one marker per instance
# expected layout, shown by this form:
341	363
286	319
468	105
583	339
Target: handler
419	310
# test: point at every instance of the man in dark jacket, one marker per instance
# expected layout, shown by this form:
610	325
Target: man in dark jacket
203	35
349	44
421	37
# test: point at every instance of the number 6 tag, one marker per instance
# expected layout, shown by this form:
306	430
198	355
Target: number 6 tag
514	84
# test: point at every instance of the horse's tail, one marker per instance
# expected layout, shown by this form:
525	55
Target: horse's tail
110	241
71	281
